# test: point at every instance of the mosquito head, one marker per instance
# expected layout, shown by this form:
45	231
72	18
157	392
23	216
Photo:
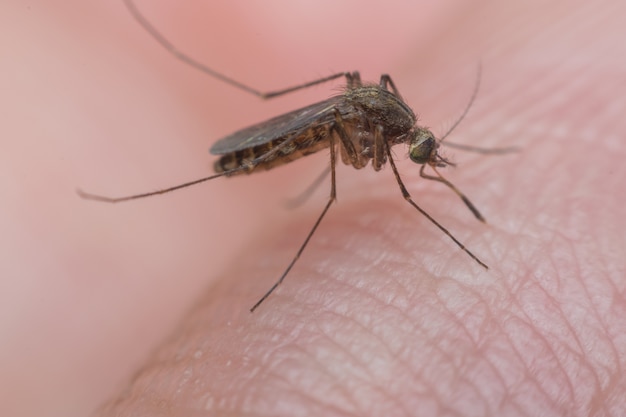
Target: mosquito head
423	147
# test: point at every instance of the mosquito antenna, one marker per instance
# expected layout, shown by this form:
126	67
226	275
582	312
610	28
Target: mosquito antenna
471	102
470	148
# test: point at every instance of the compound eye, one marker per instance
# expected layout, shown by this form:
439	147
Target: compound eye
422	147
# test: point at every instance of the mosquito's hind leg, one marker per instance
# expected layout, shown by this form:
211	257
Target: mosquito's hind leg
353	79
246	166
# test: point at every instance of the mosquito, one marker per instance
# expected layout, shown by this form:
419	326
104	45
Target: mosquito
358	126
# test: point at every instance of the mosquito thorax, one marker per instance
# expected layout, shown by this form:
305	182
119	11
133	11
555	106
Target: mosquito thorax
423	146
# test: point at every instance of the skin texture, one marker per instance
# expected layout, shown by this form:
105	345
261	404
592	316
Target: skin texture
142	308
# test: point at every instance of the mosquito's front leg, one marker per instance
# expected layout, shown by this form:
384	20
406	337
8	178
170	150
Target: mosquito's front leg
409	199
466	200
331	199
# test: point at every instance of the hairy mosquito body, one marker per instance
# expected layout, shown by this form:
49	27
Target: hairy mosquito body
359	126
352	118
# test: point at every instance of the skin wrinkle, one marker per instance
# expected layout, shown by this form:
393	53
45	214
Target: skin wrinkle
359	291
548	344
386	393
596	362
459	366
528	376
383	292
364	327
575	265
420	333
462	364
301	349
305	393
612	346
483	347
437	348
512	319
327	370
468	308
300	395
504	389
494	371
464	381
452	364
572	394
363	364
507	394
456	321
599	323
338	385
393	352
542	337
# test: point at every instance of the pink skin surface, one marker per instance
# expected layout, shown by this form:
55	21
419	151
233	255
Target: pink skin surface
143	306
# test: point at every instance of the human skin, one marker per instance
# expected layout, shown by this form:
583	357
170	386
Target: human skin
143	306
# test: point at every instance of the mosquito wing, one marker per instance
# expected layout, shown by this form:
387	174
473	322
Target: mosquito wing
277	127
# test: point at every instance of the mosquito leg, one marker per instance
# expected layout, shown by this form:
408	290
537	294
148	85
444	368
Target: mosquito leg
409	199
332	198
386	82
96	197
301	198
248	166
352	79
466	200
169	47
346	144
